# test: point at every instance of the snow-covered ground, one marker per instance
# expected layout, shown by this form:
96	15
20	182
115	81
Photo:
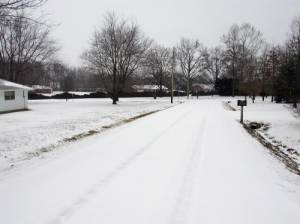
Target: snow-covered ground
27	134
190	164
282	124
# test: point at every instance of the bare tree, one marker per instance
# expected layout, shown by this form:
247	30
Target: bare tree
293	47
23	43
253	77
20	4
173	70
251	41
232	44
116	52
242	45
190	56
10	9
158	64
264	70
214	63
274	63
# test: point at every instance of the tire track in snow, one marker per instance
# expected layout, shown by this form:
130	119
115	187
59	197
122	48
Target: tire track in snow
182	204
83	199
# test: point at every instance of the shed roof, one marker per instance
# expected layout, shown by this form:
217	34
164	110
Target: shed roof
4	84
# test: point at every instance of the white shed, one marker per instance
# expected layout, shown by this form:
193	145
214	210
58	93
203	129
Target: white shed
13	96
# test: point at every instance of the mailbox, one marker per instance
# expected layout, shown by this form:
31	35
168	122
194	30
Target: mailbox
242	103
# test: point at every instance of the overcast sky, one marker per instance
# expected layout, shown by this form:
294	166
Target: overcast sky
166	21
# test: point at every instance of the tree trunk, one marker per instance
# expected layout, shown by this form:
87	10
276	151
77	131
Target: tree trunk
160	84
160	90
263	88
188	88
11	71
233	78
115	91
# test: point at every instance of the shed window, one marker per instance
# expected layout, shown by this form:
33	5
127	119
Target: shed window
9	95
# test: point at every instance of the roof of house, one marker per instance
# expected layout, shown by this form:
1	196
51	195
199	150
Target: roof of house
41	87
148	87
203	87
4	84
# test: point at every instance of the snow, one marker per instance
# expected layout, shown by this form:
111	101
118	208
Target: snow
28	134
283	123
193	163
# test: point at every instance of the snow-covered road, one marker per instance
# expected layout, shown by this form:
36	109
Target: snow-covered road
192	163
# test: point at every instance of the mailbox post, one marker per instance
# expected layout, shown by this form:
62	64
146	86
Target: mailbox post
242	104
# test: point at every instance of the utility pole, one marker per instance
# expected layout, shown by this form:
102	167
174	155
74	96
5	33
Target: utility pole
172	73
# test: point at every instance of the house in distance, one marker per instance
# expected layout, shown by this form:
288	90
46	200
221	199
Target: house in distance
38	89
148	88
13	96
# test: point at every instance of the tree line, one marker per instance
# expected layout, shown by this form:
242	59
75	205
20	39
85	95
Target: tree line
243	64
121	54
120	51
28	53
25	42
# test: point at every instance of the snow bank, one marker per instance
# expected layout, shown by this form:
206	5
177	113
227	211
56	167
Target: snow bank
282	124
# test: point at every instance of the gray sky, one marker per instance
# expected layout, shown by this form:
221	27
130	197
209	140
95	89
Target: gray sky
166	21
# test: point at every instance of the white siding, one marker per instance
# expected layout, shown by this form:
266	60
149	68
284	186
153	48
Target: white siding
20	102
